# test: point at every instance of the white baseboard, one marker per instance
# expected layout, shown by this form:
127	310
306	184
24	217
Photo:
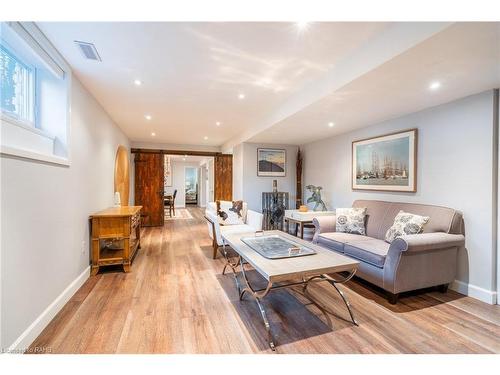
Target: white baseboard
35	328
474	291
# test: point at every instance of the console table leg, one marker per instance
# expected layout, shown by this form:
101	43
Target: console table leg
94	270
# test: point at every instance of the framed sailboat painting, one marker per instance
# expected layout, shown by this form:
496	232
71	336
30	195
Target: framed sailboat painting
386	163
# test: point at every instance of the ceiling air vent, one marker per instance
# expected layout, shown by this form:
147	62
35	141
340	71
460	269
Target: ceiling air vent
89	51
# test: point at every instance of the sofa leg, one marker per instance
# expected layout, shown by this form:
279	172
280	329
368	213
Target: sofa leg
443	288
392	298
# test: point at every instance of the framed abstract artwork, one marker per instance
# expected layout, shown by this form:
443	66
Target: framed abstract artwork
386	163
271	162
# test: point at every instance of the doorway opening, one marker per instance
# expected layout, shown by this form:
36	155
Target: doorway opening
188	182
191	185
155	186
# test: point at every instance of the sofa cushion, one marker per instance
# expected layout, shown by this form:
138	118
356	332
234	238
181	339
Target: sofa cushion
336	240
350	220
369	250
405	223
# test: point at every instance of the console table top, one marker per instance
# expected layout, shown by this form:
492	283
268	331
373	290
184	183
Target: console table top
117	211
307	216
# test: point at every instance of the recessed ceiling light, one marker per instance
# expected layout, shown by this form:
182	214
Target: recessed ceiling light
435	85
153	134
137	82
217	123
184	159
205	138
331	124
241	96
185	156
147	117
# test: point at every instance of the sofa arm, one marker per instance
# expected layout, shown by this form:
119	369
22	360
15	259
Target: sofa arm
419	261
254	219
427	242
324	224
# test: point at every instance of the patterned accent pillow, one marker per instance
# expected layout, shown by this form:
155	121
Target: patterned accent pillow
230	213
406	223
351	220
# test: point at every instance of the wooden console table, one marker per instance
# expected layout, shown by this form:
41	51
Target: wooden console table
116	236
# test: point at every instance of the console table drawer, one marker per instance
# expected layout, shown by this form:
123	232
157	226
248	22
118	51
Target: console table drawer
112	227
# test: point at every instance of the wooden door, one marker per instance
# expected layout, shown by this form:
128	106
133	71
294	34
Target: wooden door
149	187
223	177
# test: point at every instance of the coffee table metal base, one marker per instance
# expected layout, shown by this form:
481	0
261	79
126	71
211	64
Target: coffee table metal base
259	294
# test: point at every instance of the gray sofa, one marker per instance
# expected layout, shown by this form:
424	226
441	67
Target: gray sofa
410	262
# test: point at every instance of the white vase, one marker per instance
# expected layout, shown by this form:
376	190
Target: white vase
117	199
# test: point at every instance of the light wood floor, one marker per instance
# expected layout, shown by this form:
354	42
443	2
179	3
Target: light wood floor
175	300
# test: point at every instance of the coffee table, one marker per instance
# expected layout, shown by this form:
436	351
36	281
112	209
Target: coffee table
286	272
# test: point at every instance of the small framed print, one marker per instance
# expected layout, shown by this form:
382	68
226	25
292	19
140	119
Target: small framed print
271	162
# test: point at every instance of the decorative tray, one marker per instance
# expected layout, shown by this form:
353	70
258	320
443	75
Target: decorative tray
277	247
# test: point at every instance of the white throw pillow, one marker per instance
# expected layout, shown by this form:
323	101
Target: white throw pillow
406	223
350	220
230	213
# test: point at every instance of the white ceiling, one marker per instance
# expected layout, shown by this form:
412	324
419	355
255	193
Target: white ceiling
294	82
464	58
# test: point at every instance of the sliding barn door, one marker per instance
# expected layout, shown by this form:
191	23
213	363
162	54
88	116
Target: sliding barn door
223	177
149	187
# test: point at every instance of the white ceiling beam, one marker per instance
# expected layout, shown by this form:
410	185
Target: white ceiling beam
392	41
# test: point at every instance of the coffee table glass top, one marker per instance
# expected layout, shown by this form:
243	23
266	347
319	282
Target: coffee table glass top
277	247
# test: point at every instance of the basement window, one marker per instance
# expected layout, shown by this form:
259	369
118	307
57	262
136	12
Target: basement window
18	88
35	95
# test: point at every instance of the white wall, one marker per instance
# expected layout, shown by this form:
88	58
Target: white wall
179	181
238	172
250	186
455	164
203	184
497	119
45	227
211	179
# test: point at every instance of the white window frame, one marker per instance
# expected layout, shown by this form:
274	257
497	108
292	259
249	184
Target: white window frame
53	61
